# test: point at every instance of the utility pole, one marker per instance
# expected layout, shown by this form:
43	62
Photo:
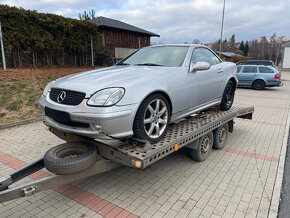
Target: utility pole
222	27
92	52
2	48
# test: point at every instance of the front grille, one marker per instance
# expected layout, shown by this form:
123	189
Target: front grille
71	97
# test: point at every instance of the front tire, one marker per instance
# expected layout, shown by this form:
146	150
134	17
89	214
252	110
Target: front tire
228	96
152	118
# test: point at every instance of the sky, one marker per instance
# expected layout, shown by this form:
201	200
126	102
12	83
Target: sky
179	21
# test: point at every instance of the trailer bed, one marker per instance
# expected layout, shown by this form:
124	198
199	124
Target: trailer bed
133	153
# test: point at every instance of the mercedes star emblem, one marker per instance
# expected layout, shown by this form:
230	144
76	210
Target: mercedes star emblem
61	97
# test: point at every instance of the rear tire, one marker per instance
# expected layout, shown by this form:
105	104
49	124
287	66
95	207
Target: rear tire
228	96
70	158
152	121
203	149
259	84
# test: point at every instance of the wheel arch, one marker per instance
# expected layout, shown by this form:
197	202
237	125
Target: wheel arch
234	81
162	93
258	79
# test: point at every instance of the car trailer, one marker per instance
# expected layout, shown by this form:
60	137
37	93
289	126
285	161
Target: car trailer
199	132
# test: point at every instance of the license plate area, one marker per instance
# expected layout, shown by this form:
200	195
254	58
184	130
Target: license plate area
60	116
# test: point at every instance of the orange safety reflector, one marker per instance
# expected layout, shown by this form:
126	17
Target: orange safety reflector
47	128
176	147
138	164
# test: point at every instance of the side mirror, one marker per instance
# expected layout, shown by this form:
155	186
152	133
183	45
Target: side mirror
199	66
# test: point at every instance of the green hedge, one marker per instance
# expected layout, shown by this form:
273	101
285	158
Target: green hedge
38	39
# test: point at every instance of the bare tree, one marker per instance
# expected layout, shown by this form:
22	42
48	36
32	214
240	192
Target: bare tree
92	13
196	41
232	43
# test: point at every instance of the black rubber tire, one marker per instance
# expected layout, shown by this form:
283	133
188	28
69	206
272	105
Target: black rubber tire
196	154
219	141
138	126
259	84
225	105
70	158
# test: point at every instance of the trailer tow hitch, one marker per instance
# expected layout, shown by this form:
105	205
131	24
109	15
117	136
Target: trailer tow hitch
5	182
20	174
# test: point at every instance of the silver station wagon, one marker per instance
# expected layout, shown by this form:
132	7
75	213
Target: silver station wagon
142	94
258	76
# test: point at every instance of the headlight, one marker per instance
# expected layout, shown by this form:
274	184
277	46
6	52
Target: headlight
106	97
47	88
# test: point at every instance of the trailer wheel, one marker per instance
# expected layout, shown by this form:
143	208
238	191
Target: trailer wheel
220	136
203	149
70	158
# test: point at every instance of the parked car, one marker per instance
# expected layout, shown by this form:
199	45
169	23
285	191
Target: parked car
142	94
258	77
257	62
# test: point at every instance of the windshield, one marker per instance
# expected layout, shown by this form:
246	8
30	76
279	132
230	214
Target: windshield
168	56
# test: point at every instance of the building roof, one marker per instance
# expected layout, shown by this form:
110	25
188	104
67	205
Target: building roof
227	54
108	22
287	44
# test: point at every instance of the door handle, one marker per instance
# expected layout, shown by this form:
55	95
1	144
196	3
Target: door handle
220	71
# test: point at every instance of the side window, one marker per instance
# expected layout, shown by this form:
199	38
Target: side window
204	55
239	69
249	69
265	70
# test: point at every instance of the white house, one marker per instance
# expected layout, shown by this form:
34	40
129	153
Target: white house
286	56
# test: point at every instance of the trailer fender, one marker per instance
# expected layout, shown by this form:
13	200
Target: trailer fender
193	145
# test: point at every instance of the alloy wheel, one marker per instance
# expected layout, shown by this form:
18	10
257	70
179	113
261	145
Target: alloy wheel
155	118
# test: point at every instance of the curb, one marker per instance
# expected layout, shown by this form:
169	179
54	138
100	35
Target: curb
274	206
22	122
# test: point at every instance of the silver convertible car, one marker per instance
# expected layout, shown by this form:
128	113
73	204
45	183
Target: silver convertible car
142	94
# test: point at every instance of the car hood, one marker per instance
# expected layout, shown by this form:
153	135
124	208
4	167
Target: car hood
116	76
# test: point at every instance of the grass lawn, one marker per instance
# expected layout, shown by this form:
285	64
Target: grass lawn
20	90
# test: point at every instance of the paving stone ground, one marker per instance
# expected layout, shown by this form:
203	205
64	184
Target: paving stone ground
237	181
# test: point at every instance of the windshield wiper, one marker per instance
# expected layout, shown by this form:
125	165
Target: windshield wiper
149	64
123	64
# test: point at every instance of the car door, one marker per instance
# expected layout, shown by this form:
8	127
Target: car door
247	75
239	70
211	81
266	74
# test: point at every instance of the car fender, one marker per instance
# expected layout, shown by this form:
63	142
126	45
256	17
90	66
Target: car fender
231	72
135	93
141	93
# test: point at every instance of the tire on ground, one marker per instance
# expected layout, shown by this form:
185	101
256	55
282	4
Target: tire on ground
199	155
259	84
70	158
220	136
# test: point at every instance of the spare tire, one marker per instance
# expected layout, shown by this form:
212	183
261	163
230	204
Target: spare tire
70	158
